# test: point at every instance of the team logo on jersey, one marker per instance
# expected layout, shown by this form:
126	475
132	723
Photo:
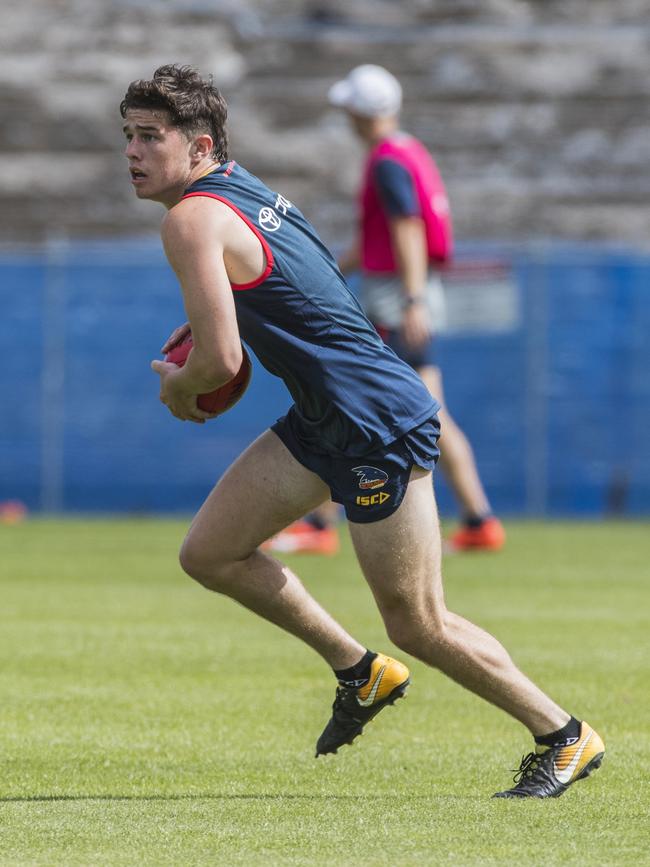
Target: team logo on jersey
282	205
269	220
370	477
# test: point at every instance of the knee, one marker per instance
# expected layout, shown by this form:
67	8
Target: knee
191	561
408	639
208	570
421	635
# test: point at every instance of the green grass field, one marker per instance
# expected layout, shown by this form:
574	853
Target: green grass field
147	722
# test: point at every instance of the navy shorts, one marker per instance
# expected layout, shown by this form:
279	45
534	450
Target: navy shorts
426	355
371	487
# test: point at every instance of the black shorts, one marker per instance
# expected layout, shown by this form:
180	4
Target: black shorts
371	487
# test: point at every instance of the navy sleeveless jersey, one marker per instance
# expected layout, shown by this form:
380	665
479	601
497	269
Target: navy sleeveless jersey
351	392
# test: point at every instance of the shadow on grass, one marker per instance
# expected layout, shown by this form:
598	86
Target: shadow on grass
264	796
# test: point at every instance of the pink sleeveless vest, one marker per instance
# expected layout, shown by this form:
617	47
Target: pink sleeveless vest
376	251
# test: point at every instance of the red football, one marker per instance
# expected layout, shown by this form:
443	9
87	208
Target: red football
224	397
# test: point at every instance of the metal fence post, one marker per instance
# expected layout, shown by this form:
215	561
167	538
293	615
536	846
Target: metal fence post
537	378
53	375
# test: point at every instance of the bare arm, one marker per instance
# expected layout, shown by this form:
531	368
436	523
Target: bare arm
351	259
410	248
193	235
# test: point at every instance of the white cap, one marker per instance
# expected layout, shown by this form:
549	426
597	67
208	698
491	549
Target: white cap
368	90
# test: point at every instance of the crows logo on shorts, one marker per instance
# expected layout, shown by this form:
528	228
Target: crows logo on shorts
370	477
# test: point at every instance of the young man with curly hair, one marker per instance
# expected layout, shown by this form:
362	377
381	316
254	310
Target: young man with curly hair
362	430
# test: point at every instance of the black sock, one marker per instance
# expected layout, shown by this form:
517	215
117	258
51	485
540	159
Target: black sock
316	521
359	674
475	521
567	735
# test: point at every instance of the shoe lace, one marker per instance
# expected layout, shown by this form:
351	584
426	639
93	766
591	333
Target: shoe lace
528	766
534	772
341	707
342	692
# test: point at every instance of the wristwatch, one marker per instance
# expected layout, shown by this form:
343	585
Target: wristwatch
411	300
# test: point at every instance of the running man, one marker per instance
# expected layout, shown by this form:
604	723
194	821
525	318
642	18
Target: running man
362	430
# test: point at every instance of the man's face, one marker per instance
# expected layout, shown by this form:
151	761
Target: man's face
362	126
158	155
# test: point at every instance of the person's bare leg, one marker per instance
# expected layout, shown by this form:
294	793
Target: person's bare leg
457	460
400	558
262	492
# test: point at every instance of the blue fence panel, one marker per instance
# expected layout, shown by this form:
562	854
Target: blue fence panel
554	394
22	286
596	402
489	407
121	448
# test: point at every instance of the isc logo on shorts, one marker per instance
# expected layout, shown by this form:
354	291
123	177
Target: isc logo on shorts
373	499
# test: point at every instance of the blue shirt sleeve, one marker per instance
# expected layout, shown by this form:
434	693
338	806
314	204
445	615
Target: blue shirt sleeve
396	189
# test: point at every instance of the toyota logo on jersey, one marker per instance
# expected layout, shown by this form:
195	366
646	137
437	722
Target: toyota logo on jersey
370	477
269	220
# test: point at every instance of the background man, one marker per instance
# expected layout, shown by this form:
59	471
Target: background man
404	238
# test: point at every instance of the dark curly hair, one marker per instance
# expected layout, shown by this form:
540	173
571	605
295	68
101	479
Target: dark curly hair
194	105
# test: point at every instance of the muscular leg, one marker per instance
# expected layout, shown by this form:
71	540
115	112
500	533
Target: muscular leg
400	558
456	456
262	492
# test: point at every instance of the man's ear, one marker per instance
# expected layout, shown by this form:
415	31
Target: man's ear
202	147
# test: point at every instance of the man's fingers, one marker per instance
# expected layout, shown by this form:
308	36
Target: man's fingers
161	366
175	337
204	416
197	415
169	344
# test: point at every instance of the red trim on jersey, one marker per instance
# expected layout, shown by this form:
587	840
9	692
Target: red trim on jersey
382	331
267	250
229	168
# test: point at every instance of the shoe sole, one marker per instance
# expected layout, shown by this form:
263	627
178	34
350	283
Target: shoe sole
397	692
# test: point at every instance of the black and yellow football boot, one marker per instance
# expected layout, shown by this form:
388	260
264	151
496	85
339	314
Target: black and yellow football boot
549	771
354	707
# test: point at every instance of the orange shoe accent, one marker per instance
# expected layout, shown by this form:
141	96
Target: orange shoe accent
489	536
574	762
386	674
303	538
